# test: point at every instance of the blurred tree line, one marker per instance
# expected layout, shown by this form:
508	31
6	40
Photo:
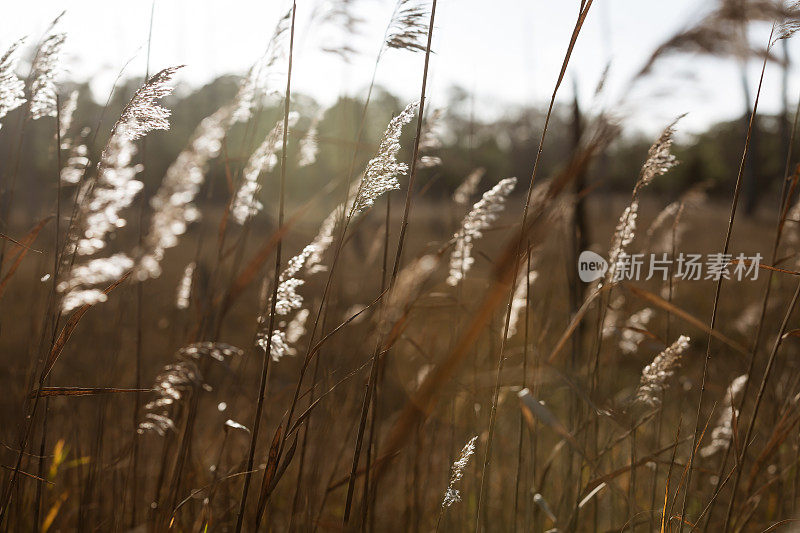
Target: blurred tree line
505	146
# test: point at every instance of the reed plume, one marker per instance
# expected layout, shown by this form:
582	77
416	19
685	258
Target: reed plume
309	145
175	383
12	89
46	67
791	24
655	376
65	117
185	287
408	28
722	433
430	141
172	205
479	219
632	333
245	203
659	161
112	190
77	161
380	175
520	298
451	494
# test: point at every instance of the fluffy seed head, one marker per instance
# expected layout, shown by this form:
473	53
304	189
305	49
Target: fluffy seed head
46	67
452	495
381	173
656	374
480	218
12	89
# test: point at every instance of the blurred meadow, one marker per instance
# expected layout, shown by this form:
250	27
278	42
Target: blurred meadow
234	304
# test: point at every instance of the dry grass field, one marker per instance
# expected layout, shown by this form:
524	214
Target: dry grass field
278	328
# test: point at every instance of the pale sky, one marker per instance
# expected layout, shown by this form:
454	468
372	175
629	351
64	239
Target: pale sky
506	52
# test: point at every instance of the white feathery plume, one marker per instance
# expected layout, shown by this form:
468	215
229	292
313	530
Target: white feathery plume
408	28
468	187
277	346
631	337
185	287
67	112
77	289
12	89
172	204
483	213
452	495
722	433
659	157
655	375
309	257
297	327
430	141
659	161
623	236
113	189
520	298
381	173
46	66
613	312
309	145
177	381
78	160
323	240
284	338
143	114
245	203
379	177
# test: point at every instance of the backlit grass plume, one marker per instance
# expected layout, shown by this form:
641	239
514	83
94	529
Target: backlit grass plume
451	494
185	287
656	375
46	66
430	141
659	161
245	203
172	205
722	433
382	170
408	28
114	187
380	177
632	333
309	145
480	218
177	381
12	89
520	298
